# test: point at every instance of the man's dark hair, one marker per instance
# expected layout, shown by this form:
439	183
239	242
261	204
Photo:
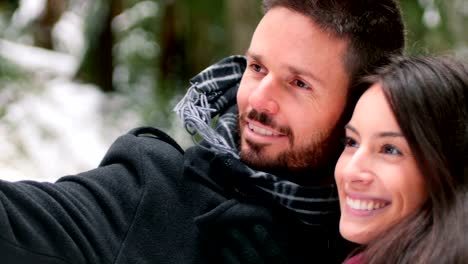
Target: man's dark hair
374	28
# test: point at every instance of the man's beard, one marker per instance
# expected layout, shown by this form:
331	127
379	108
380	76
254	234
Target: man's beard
322	148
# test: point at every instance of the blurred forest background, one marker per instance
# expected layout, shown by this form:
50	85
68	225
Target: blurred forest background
75	74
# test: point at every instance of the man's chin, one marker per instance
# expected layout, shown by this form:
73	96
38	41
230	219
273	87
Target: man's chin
258	163
259	158
268	159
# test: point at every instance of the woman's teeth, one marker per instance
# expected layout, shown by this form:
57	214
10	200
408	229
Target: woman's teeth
364	204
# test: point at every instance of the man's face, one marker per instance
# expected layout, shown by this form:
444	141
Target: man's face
292	94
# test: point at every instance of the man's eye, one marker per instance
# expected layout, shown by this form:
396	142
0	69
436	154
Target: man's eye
256	67
349	142
391	150
301	84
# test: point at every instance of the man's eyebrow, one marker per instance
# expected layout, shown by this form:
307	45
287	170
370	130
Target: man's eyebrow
291	69
252	55
302	72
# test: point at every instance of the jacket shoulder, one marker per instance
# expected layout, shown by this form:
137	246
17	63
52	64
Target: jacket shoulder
155	133
145	148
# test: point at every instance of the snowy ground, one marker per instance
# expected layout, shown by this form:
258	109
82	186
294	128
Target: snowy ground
65	128
60	130
55	126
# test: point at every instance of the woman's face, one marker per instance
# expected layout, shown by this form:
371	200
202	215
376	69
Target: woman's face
377	176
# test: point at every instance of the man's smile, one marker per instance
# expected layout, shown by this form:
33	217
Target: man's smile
261	130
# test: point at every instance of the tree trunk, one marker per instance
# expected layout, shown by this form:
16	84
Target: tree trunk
97	64
242	18
457	20
42	28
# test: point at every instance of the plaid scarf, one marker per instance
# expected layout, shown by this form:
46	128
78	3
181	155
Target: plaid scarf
213	95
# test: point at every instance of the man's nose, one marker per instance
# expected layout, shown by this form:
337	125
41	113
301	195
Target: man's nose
264	98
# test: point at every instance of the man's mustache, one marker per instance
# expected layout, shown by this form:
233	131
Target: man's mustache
266	120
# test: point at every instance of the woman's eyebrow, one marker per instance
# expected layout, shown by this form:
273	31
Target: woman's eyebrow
381	134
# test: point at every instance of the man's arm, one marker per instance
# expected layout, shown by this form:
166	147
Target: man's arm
83	218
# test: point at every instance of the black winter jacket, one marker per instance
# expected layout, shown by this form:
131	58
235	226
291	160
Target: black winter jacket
148	202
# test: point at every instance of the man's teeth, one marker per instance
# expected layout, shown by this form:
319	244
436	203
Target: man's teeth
364	204
261	131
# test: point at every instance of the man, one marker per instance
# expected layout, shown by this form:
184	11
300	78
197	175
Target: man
248	198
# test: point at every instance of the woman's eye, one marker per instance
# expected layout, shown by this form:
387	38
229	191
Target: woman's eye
301	84
391	150
349	142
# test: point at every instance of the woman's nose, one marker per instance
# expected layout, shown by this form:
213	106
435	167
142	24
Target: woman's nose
358	168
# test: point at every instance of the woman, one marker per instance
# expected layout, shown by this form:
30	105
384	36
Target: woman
402	175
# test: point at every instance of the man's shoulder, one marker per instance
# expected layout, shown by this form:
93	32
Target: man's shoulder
156	136
145	147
